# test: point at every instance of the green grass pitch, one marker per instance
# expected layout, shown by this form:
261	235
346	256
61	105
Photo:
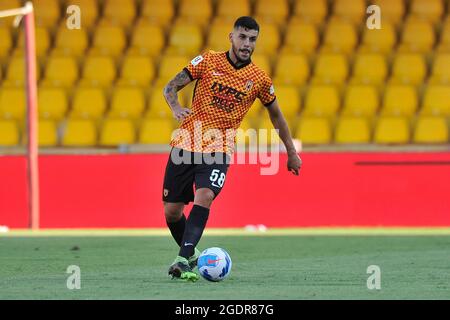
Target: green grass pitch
290	267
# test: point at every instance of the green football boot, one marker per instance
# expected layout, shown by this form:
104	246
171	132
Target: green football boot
180	269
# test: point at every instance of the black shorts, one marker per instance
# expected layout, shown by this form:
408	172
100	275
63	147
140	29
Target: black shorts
185	169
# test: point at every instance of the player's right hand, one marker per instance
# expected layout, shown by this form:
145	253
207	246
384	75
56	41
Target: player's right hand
181	113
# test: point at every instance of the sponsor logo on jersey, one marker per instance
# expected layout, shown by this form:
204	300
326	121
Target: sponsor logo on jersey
226	97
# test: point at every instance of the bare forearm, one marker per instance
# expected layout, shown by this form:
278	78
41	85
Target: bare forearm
279	122
172	88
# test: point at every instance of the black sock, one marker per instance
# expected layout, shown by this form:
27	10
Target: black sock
177	229
195	225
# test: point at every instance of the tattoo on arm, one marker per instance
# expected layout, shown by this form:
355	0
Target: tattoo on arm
175	85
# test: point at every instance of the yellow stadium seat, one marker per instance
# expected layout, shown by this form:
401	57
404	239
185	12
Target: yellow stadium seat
269	11
379	40
312	11
340	36
399	100
262	61
147	40
301	37
392	130
156	131
292	70
436	100
9	133
61	71
266	132
408	68
392	10
116	132
42	41
119	12
52	103
352	10
47	12
268	39
321	100
12	103
98	71
195	11
185	39
352	130
48	135
186	94
440	73
6	42
445	37
137	71
157	105
79	133
417	36
169	67
159	12
218	37
369	68
330	68
127	103
314	130
88	103
288	98
7	22
71	42
431	130
430	10
361	100
233	9
15	75
109	40
89	12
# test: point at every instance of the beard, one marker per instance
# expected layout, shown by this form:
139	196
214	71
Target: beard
236	54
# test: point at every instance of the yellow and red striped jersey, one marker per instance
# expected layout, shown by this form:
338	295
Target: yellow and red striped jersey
222	96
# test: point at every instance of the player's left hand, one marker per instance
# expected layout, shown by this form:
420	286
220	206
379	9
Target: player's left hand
294	163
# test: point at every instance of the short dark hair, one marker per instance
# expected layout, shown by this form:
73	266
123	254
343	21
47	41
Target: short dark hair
247	22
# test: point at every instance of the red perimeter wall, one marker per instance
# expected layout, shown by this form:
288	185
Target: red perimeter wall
333	189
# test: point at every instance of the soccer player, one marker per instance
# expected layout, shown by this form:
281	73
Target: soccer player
227	85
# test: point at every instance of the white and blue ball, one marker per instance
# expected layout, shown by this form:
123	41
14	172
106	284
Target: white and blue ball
214	264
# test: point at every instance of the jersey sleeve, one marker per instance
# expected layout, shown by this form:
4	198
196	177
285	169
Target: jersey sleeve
197	67
267	92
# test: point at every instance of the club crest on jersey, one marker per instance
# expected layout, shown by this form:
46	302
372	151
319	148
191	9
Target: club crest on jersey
196	60
249	85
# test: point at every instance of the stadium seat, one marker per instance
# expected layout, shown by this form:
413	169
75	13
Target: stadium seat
6	42
98	71
156	131
47	13
52	103
109	40
116	132
440	73
195	11
169	67
15	75
127	103
351	10
392	10
444	44
352	130
157	105
9	133
79	133
185	40
288	98
48	135
42	42
89	12
61	72
408	69
119	12
7	22
218	37
430	10
268	11
311	11
321	100
147	40
361	100
399	100
71	42
379	40
301	38
417	36
268	40
266	132
158	12
436	100
262	61
136	71
330	69
291	70
431	130
369	68
88	103
340	36
186	94
314	130
231	9
12	103
392	130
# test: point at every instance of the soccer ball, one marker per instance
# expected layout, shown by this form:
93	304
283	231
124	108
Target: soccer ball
214	264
